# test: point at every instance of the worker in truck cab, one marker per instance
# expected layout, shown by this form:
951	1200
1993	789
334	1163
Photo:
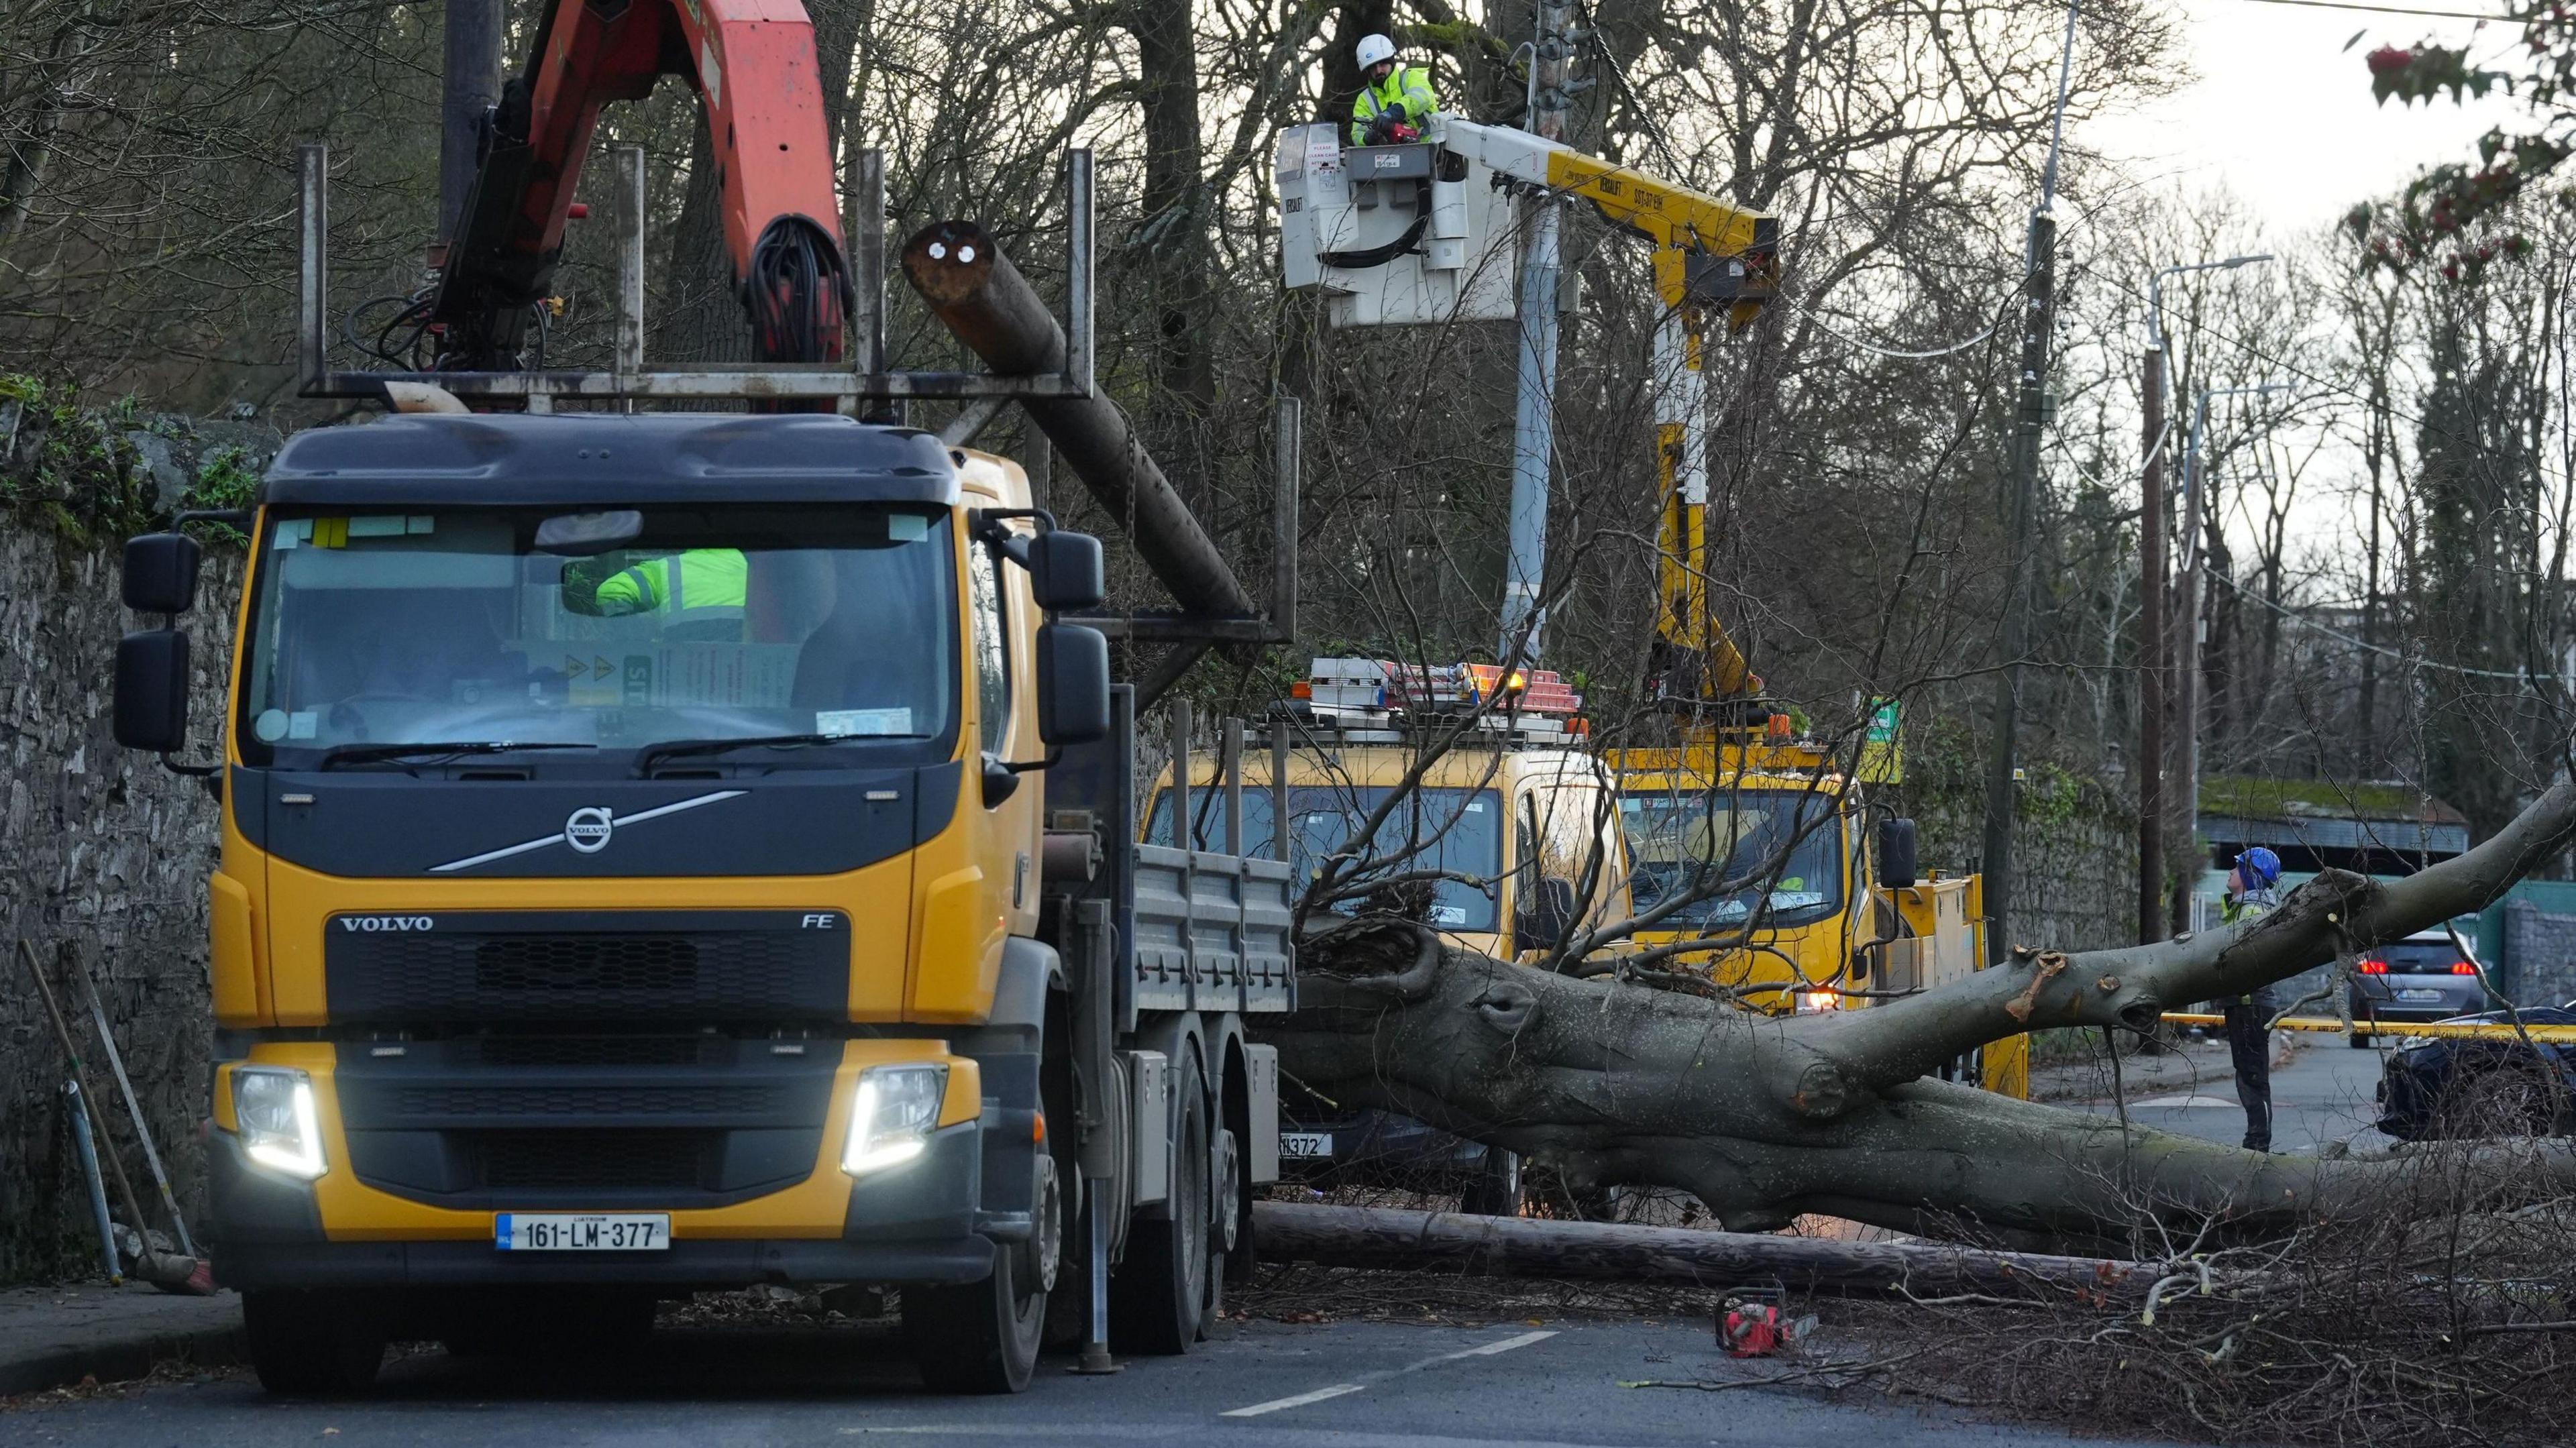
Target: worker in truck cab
1395	100
698	593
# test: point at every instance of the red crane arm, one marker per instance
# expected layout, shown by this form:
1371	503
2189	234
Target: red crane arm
754	66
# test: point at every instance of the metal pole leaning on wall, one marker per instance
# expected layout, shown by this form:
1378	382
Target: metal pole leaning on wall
134	1107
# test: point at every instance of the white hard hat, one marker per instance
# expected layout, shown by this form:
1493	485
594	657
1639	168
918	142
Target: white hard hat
1374	48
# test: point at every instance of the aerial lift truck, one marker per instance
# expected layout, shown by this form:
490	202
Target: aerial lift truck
679	851
1425	233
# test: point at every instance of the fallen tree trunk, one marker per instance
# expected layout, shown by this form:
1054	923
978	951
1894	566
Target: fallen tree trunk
1764	1118
1605	1251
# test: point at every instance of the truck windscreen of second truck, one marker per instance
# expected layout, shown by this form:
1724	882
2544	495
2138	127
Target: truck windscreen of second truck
1722	847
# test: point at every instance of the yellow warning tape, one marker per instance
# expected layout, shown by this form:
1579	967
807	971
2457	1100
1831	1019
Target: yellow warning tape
2555	1035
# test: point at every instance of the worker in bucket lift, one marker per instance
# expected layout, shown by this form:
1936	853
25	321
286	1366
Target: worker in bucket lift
1395	100
2252	890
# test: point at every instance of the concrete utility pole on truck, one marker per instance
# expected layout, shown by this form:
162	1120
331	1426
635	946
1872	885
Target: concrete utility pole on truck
568	954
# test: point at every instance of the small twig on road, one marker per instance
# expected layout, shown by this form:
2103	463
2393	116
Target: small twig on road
2485	1329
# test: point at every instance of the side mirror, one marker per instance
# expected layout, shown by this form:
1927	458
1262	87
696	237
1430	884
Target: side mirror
1897	861
1073	680
1065	571
161	573
152	690
1542	925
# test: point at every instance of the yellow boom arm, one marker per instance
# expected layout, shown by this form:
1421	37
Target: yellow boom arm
1708	254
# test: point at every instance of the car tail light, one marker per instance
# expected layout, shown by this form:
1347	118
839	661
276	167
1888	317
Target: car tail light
2462	967
2373	967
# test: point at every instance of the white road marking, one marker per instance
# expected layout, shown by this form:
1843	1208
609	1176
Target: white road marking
1491	1348
1487	1349
2183	1102
1299	1401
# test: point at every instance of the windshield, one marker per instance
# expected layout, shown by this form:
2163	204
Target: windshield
710	623
1458	830
1722	845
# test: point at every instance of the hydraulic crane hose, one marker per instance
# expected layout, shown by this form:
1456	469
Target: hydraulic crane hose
1366	257
797	293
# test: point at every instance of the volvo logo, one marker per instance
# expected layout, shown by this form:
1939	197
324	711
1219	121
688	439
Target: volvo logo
385	922
587	830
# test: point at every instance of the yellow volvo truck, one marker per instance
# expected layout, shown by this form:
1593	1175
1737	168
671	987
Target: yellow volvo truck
672	852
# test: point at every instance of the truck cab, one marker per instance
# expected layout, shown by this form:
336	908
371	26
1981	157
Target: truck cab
631	883
1755	857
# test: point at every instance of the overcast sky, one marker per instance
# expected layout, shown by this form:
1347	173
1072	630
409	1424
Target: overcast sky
2282	113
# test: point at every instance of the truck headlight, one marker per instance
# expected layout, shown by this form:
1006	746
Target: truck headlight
897	1109
279	1127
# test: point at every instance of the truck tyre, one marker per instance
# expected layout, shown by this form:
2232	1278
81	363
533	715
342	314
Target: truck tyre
1158	1296
1496	1190
311	1344
978	1338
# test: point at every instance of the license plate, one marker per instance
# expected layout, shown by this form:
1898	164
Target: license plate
1306	1143
581	1231
2419	995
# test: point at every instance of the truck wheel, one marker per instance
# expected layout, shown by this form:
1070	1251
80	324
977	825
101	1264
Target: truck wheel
311	1344
1159	1294
1496	1191
978	1338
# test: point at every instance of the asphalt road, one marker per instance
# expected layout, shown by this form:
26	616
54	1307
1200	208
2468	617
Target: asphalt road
2324	1094
1347	1385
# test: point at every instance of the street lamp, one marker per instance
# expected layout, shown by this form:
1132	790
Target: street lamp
2193	587
2155	289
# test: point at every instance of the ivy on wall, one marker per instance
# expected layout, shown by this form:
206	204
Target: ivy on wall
95	475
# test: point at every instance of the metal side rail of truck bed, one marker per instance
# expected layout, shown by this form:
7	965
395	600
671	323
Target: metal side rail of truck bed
1209	932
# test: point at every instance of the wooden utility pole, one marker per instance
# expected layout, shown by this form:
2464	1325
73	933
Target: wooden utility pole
2031	416
2151	658
472	86
2021	506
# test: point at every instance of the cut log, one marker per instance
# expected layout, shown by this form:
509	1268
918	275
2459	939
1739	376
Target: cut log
1383	1237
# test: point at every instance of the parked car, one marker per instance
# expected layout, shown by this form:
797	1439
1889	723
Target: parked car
2464	1087
2420	978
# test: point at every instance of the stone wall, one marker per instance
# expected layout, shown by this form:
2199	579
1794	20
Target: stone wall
106	853
107	860
2540	954
2075	850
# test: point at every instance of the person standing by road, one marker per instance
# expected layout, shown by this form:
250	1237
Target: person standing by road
2252	891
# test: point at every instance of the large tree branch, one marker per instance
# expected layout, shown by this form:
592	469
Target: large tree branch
1766	1117
2337	911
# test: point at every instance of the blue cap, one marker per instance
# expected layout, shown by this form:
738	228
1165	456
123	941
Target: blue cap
2260	865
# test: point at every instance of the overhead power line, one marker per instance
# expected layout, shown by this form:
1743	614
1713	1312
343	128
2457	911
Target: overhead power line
2519	676
1898	352
2387	9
